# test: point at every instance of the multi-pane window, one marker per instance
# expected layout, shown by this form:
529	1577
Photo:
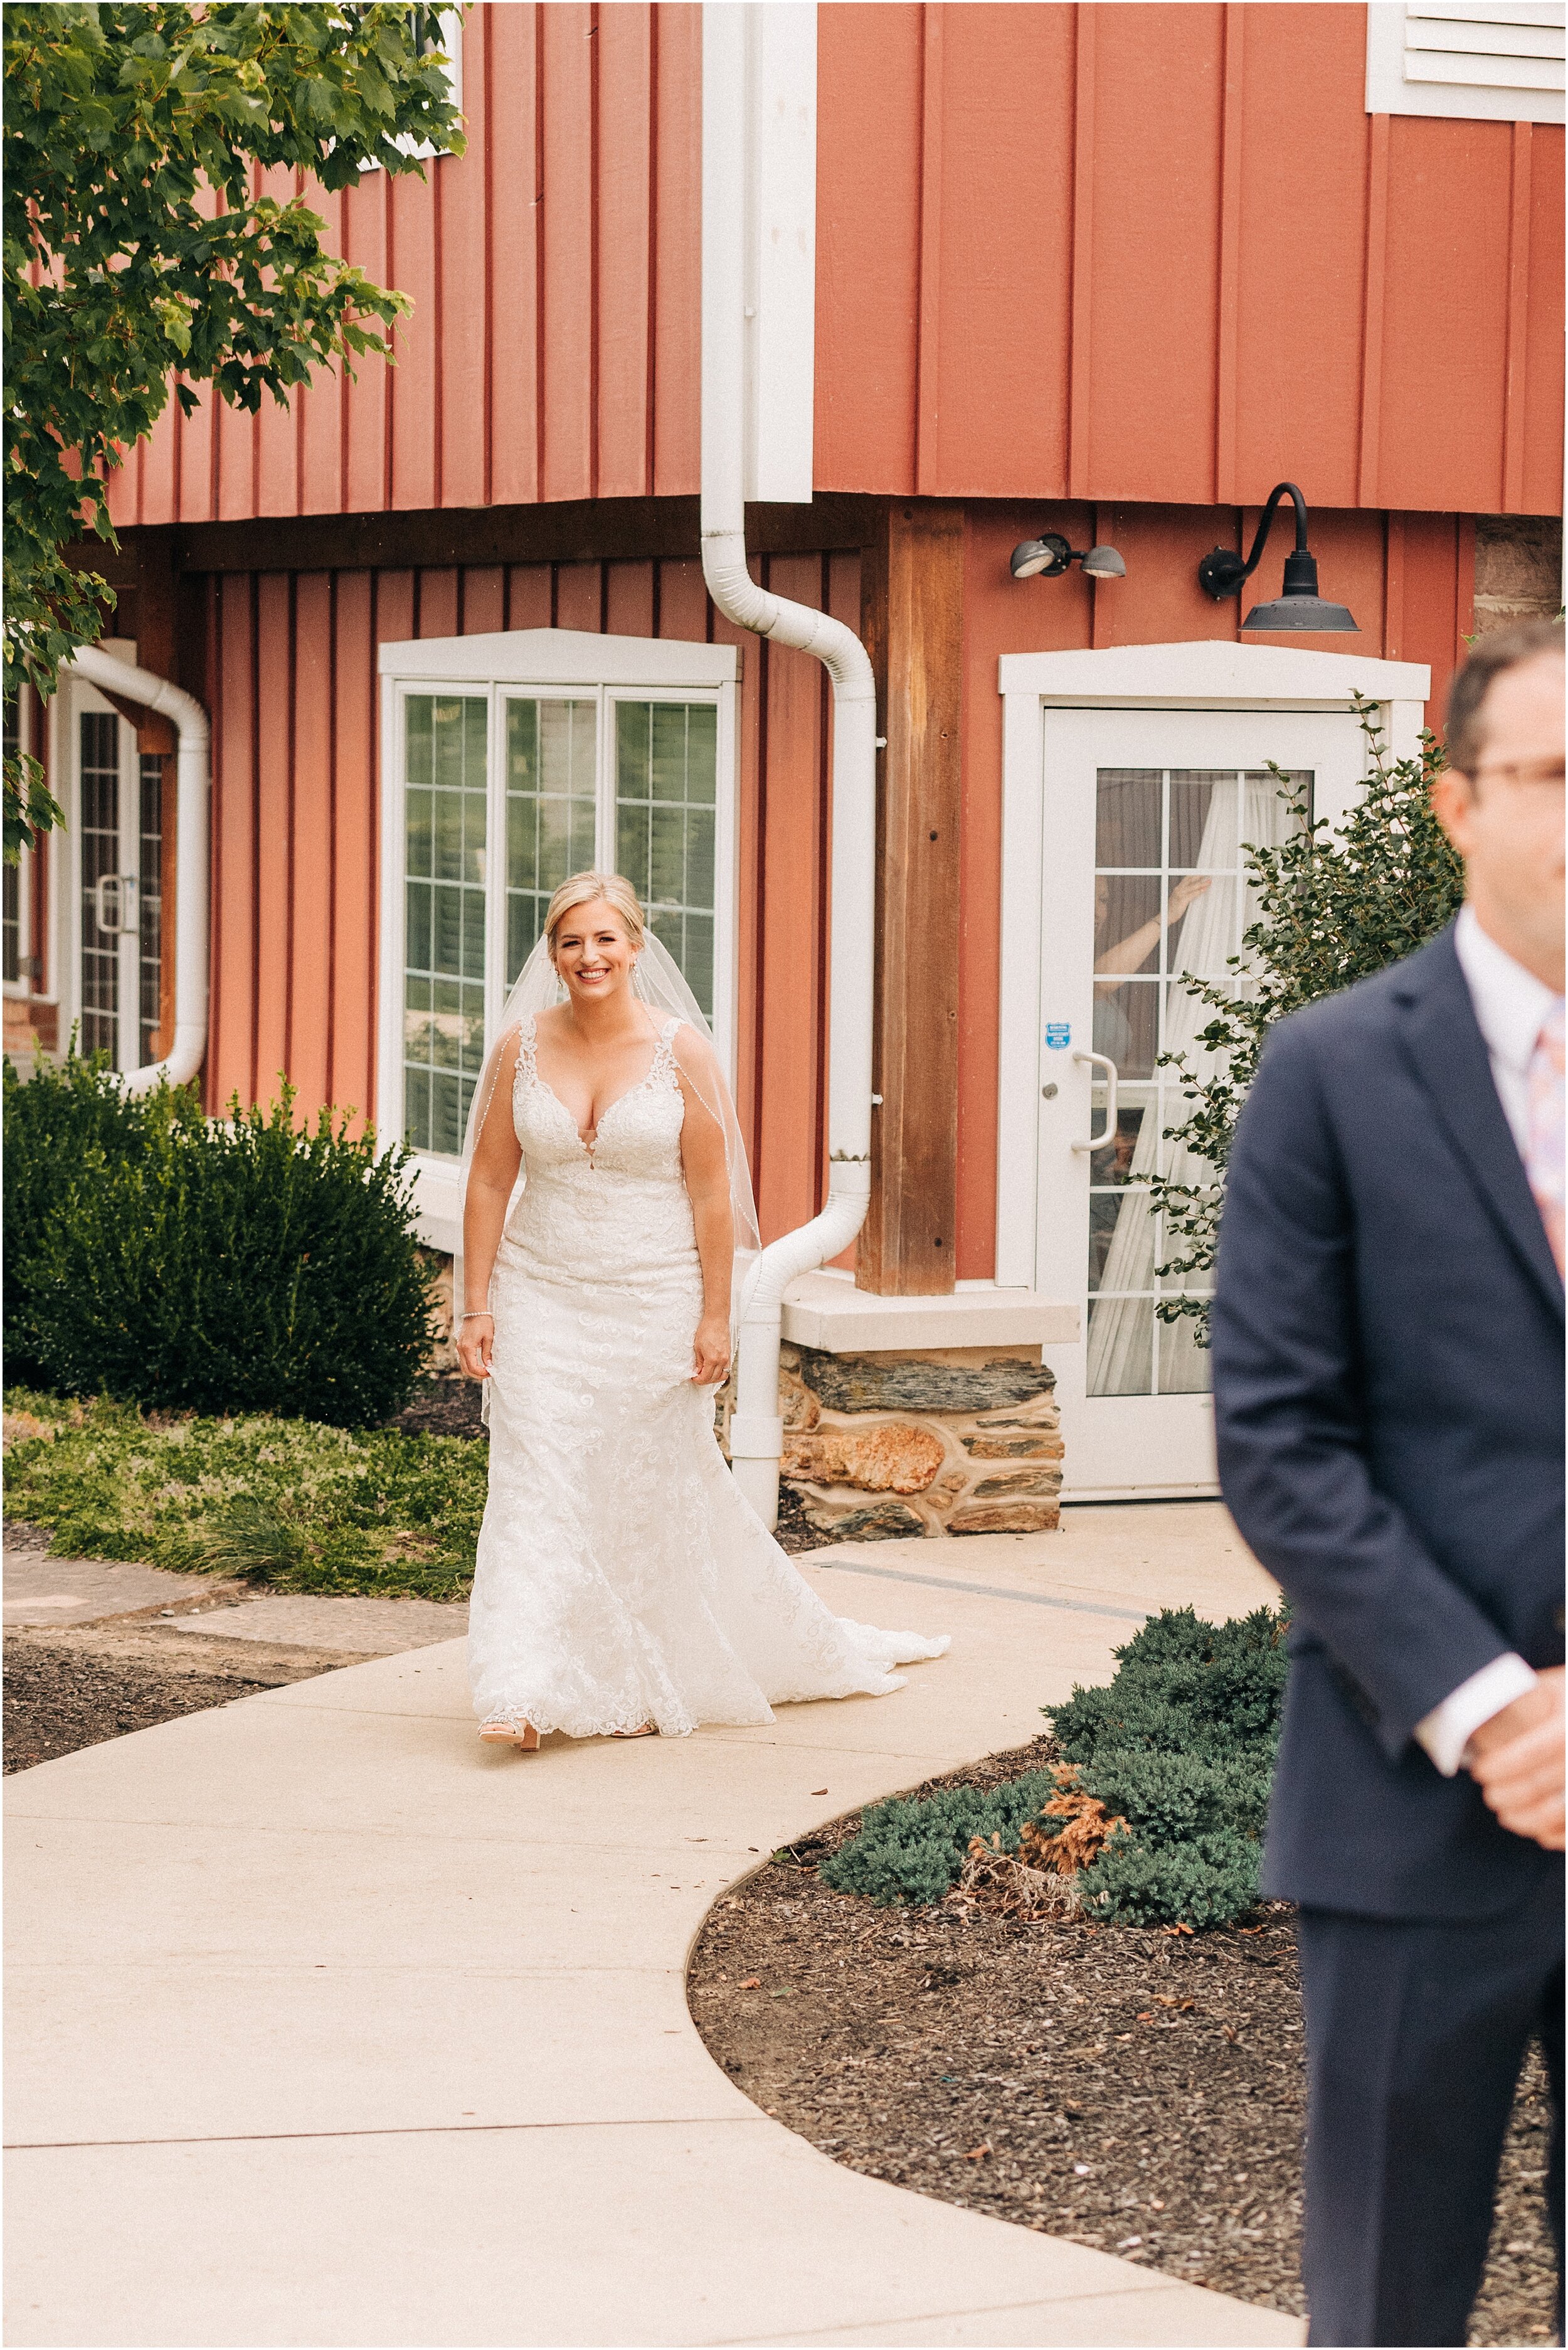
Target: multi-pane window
1172	898
149	902
98	843
447	806
551	811
507	793
666	783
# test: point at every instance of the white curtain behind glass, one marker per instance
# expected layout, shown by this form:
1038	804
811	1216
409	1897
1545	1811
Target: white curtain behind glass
1211	932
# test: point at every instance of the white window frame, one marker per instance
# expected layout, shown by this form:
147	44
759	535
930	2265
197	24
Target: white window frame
424	149
1201	676
559	664
1409	71
75	695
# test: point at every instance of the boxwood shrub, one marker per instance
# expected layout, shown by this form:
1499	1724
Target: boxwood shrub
1179	1744
243	1264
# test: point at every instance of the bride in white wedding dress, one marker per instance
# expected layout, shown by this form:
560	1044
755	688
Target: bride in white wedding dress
624	1585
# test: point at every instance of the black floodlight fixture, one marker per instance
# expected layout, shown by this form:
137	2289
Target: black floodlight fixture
1299	606
1049	558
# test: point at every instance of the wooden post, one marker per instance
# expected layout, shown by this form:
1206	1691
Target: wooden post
912	622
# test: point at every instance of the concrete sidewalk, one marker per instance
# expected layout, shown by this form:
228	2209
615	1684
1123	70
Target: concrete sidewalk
264	1954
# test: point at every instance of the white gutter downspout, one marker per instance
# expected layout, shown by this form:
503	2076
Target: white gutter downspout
756	1429
191	925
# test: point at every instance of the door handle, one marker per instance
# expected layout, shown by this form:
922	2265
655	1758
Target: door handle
118	889
1112	1078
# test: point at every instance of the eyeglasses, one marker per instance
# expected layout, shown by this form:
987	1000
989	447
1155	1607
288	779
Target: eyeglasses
1545	773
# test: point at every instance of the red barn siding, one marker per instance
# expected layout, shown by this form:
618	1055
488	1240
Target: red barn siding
1143	253
1166	254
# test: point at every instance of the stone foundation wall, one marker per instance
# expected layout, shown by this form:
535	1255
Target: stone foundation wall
1519	570
963	1441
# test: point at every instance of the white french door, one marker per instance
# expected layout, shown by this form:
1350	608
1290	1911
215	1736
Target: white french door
1146	817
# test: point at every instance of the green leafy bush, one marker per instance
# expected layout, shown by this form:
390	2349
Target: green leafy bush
290	1502
912	1849
235	1265
1182	1746
1206	1882
1179	1746
58	1121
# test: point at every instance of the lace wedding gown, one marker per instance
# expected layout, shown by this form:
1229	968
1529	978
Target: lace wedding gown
622	1578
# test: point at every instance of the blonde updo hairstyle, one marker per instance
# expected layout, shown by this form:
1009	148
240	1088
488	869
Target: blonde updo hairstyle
582	890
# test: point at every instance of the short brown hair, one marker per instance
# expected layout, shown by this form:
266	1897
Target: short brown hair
1504	649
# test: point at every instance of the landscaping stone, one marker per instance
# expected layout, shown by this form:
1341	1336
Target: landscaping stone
1006	1518
887	1522
963	1379
893	1457
986	1447
971	1439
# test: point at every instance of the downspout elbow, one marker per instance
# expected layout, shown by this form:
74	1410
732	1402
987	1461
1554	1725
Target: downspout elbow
193	773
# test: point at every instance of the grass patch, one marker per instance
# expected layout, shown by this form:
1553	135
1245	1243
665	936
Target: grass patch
290	1503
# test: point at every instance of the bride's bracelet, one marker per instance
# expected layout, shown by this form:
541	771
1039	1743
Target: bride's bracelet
475	1314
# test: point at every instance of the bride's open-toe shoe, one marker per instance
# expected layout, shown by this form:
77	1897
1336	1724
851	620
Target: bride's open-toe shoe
521	1734
648	1729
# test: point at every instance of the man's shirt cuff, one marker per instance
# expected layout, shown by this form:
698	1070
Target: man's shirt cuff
1447	1730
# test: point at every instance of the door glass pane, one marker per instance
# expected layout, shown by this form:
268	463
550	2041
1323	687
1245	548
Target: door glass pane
443	979
1127	804
148	902
550	771
1171	899
98	848
1121	1345
666	762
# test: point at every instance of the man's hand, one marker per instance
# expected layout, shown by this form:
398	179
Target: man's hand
1516	1760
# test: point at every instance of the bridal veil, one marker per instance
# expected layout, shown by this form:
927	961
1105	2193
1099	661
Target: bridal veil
656	982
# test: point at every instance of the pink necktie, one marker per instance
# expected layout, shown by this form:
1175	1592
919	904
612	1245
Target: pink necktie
1544	1159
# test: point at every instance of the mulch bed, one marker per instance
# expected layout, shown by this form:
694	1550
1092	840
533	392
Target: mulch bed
77	1687
1141	2091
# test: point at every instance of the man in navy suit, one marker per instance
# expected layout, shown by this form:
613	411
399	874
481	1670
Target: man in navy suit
1388	1360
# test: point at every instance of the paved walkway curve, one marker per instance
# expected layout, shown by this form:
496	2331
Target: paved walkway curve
331	2026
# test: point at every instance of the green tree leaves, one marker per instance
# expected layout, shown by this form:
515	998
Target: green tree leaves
142	253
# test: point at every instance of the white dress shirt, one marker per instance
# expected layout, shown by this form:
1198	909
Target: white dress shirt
1510	1004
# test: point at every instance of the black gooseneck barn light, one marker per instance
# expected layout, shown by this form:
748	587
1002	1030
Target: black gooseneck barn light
1048	557
1299	605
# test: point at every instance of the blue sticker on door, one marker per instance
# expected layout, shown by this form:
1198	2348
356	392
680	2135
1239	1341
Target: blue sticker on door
1058	1036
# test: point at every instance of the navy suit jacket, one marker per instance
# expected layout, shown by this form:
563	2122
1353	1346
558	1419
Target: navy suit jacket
1389	1379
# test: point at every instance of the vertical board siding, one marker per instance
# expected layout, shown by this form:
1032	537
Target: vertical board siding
568	329
1299	304
1153	284
1543	354
1155	252
867	244
672	414
1446	312
1172	238
554	269
623	276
